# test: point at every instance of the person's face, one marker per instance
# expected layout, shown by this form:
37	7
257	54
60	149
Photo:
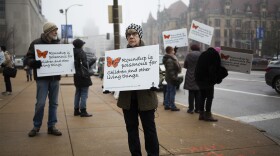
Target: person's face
133	38
53	34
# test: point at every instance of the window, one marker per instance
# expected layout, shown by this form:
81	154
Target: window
225	33
217	22
238	23
227	23
2	9
217	33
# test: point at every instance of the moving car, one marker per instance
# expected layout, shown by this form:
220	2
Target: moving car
272	75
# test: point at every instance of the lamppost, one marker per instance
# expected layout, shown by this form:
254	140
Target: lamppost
65	12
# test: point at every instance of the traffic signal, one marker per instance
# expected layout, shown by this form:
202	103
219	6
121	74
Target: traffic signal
108	36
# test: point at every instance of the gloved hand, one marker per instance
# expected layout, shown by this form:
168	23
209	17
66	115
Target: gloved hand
106	92
153	89
3	65
38	64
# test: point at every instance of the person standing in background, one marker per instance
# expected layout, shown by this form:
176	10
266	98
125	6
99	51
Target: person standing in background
172	69
81	83
7	63
190	84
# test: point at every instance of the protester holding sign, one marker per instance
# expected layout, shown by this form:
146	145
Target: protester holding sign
173	68
82	79
190	84
46	85
139	102
206	76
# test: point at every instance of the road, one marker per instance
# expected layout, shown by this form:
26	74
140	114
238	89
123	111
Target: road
246	98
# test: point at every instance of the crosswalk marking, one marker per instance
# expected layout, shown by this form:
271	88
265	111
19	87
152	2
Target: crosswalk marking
259	117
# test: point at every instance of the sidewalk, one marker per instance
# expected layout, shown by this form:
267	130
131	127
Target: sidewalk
104	134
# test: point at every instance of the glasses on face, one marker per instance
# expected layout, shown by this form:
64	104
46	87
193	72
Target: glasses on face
133	34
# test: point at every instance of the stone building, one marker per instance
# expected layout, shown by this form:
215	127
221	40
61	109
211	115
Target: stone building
21	22
247	24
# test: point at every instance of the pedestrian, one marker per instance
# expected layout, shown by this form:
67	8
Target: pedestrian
206	76
46	85
172	69
27	69
8	62
141	103
81	82
190	84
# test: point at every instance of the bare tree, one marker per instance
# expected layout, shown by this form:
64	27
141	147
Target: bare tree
5	36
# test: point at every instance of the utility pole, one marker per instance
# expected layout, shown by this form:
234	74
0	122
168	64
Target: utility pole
116	24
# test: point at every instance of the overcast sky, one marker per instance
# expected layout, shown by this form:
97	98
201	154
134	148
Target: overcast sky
94	13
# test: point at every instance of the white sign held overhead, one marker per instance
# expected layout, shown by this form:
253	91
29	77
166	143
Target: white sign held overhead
178	38
131	68
57	59
238	60
201	32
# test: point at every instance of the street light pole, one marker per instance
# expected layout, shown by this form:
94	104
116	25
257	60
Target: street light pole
66	30
116	24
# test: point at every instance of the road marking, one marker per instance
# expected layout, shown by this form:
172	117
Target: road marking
237	91
244	80
259	117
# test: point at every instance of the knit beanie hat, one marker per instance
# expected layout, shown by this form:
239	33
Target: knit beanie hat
48	27
78	43
136	27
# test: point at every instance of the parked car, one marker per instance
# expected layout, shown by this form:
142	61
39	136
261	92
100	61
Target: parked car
272	75
18	61
162	82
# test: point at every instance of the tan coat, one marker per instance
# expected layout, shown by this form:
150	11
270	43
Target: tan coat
8	60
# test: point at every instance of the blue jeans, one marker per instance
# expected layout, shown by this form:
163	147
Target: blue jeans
169	99
81	96
46	88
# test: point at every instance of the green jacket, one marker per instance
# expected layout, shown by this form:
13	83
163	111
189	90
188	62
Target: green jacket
147	99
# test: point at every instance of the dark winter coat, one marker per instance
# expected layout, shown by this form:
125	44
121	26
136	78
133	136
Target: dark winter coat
190	65
147	99
172	69
207	69
80	56
30	56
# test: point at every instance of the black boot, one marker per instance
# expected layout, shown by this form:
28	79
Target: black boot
209	117
84	113
77	112
201	115
27	78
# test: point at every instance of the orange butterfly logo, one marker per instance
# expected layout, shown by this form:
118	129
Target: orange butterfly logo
224	56
42	54
194	26
111	62
166	36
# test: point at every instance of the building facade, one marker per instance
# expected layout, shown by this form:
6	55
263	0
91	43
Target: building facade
21	22
246	24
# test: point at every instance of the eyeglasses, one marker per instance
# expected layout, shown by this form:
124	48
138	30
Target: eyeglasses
133	34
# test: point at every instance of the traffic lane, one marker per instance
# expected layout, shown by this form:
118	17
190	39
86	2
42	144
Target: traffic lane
246	85
236	104
270	126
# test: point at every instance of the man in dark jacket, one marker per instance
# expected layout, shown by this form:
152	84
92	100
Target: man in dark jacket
172	69
206	76
82	80
139	102
46	86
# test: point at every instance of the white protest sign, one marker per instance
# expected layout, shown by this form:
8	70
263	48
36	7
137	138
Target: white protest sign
131	68
201	32
239	60
57	59
174	38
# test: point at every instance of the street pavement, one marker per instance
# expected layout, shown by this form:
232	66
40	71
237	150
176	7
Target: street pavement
104	134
